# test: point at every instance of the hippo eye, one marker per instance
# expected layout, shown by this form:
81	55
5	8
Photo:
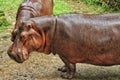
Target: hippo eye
22	37
30	36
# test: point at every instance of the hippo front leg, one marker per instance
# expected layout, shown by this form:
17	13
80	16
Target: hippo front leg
63	68
70	68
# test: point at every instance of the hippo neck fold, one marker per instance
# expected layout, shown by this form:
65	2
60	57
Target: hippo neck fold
48	26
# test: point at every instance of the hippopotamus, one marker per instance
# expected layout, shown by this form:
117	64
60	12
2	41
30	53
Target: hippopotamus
76	38
32	8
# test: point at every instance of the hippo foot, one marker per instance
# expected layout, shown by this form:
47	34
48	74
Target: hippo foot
63	69
67	76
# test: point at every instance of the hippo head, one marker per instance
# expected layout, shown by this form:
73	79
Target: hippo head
27	39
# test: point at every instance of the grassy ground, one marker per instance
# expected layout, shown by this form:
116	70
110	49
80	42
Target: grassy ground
44	67
10	8
61	6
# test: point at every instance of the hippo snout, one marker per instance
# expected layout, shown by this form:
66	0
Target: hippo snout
15	56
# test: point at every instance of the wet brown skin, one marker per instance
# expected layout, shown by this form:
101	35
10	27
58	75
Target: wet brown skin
29	9
76	38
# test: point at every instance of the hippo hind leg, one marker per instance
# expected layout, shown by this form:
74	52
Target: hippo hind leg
69	67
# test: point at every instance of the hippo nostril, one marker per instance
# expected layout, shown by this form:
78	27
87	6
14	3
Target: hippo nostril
16	57
11	55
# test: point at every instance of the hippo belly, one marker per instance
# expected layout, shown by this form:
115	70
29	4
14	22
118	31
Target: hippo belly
88	44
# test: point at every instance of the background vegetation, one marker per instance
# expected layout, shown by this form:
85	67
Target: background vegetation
61	6
10	8
114	5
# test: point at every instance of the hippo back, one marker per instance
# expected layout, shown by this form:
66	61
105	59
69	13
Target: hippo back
87	37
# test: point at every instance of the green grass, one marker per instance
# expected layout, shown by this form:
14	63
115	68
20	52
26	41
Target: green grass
62	7
10	8
94	9
100	6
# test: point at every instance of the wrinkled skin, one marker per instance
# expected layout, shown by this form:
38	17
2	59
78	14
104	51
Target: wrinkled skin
25	42
29	9
76	38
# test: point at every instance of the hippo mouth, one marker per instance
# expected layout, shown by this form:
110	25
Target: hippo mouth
19	58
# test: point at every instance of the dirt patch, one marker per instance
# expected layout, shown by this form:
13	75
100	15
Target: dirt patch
44	67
